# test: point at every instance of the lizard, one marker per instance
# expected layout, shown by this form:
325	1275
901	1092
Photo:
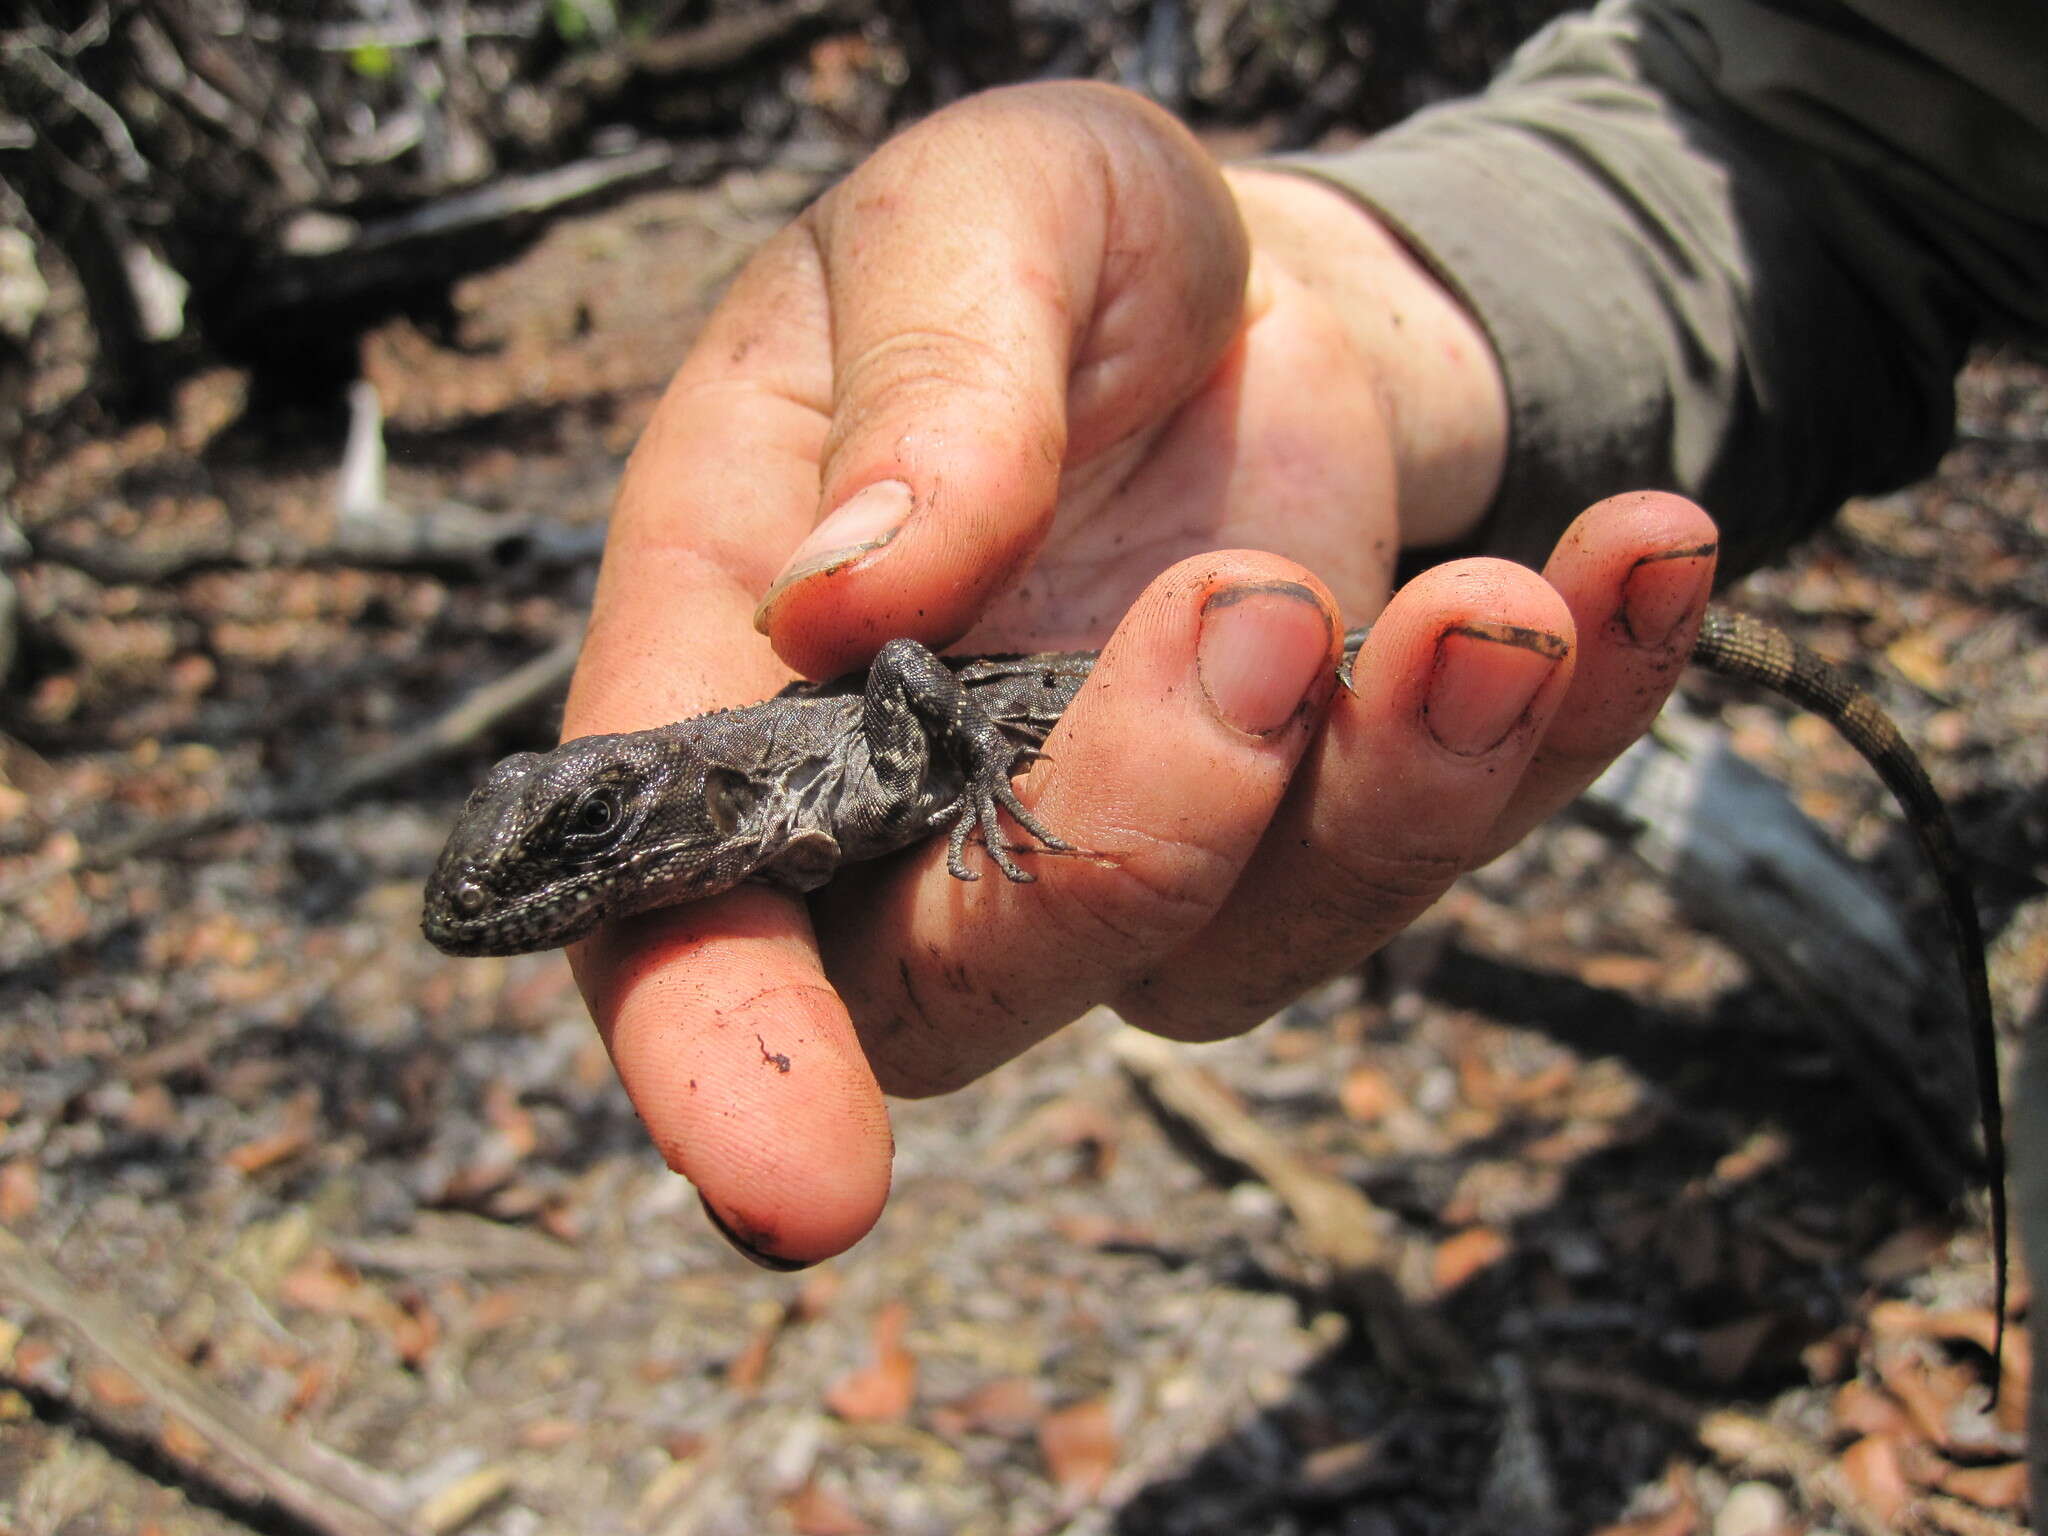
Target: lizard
783	792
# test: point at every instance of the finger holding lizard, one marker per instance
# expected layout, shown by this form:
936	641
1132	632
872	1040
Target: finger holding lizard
962	331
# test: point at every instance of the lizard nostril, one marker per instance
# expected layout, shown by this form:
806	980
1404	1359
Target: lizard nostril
469	898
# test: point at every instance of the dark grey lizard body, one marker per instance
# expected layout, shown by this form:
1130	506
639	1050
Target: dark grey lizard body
785	791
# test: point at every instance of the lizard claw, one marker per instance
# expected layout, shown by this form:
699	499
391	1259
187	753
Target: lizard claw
978	806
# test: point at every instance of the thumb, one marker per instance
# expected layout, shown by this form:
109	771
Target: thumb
1027	280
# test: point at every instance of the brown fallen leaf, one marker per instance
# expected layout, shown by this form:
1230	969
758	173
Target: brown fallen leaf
816	1511
309	1384
1959	1519
1464	1254
293	1136
548	1434
1368	1094
883	1391
21	1190
413	1327
320	1282
1975	1325
1871	1469
1079	1444
181	1442
1008	1406
1868	1410
2001	1486
744	1373
1945	1401
114	1388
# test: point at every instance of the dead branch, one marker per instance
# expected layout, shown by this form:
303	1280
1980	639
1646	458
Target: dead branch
1383	1273
1750	867
328	1491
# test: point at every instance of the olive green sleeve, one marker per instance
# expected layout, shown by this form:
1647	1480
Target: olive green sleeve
1733	248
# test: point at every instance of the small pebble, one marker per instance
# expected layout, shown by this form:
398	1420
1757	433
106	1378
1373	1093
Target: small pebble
1753	1509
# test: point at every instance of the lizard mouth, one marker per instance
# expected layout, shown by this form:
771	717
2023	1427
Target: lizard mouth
546	923
460	919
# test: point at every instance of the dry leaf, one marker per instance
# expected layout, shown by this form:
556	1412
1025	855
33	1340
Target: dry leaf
414	1329
750	1365
1972	1325
548	1434
181	1442
1009	1405
291	1138
21	1190
309	1381
881	1392
1871	1468
1079	1445
1918	657
816	1511
1939	1398
1865	1410
322	1283
2003	1486
114	1388
1063	1123
1464	1254
1368	1094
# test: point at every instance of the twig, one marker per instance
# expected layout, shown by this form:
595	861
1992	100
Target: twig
1379	1271
328	1491
32	62
718	44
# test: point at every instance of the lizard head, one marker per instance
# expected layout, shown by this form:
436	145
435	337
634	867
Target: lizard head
553	843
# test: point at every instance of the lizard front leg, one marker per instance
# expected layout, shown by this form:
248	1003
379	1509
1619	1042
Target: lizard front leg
915	709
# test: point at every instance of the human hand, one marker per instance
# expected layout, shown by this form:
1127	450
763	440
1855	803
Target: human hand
1033	356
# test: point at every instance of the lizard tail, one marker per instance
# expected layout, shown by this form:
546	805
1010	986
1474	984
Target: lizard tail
1738	646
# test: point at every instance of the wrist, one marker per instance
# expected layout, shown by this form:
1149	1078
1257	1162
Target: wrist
1425	357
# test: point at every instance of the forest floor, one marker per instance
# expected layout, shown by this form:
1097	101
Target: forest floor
398	1205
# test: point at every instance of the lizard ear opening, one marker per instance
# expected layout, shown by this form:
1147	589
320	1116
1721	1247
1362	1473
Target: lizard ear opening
728	796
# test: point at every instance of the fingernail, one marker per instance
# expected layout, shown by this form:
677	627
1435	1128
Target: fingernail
746	1248
1662	590
1263	646
864	522
1486	677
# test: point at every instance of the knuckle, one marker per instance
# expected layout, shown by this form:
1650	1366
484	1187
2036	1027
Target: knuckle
1155	893
1372	887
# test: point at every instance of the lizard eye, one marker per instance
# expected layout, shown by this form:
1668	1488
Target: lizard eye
595	820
